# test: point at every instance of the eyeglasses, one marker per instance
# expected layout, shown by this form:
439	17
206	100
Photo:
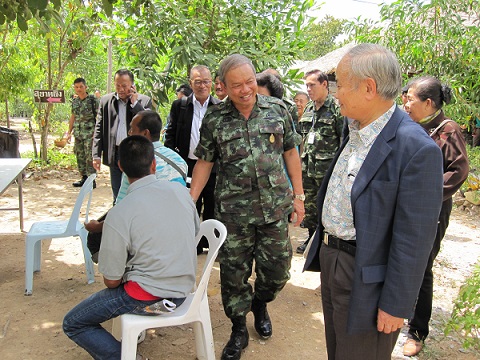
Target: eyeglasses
202	82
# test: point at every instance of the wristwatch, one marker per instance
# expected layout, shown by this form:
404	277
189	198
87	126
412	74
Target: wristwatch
300	197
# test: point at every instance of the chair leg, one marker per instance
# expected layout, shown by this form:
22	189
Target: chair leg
33	250
37	255
129	340
88	260
203	334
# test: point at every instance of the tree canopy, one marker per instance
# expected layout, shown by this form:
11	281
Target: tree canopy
164	39
321	37
439	38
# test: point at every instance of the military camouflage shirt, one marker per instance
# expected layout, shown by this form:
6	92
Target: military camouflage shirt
251	179
85	112
292	109
321	131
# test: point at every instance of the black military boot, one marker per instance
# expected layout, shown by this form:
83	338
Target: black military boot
301	249
238	340
263	325
80	183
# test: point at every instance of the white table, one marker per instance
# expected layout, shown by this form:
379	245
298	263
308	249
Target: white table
11	170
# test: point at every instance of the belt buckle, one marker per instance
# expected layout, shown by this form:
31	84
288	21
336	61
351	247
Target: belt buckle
325	238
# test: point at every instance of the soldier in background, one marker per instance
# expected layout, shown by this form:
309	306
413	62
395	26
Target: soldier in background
321	128
82	124
251	136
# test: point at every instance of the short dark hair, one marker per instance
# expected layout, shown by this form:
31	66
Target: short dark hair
271	82
185	89
150	120
122	72
321	76
136	156
429	87
232	62
80	80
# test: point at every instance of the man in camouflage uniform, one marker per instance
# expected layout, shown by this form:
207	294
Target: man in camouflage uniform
251	136
321	128
82	123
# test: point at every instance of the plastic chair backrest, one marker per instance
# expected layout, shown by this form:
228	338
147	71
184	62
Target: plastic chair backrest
216	233
86	189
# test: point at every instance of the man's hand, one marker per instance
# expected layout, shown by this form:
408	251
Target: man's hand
96	164
133	94
112	284
94	226
299	210
387	323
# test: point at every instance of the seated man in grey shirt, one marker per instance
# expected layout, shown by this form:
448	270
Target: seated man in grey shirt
147	255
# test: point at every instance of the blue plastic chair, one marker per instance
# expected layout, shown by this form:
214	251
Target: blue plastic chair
59	229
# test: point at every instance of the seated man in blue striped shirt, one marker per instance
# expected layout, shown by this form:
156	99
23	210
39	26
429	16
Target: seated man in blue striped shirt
148	123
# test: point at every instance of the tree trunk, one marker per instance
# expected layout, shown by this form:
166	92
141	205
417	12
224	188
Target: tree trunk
45	125
34	143
6	113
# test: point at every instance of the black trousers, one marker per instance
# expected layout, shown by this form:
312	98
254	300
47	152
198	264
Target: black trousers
115	175
423	310
336	286
206	201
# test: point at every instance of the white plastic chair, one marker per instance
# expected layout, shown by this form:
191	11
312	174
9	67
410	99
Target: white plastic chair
59	229
194	310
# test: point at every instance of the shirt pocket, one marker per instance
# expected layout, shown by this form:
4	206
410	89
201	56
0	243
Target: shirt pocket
271	136
232	144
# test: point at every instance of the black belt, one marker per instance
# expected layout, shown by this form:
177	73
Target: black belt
336	243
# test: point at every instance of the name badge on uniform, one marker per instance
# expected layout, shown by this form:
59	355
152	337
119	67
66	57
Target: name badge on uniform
272	138
311	138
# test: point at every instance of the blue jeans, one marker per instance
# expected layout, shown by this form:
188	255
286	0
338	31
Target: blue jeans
82	323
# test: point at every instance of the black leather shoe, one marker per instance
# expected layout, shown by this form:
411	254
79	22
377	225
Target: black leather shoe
238	341
80	183
301	249
263	325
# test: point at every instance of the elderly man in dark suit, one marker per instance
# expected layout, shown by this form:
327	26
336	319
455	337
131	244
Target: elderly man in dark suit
115	113
183	134
378	210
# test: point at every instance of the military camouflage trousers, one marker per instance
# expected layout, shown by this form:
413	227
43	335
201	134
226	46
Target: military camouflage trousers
83	152
267	244
310	188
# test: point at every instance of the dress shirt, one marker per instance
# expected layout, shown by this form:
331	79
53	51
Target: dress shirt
122	121
337	214
199	111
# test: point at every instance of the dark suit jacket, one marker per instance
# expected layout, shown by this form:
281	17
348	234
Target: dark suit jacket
178	132
396	199
106	125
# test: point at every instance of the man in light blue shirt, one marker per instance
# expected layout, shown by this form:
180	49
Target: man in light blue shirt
148	123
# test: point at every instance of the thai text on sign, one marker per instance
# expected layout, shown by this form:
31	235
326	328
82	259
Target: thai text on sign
49	96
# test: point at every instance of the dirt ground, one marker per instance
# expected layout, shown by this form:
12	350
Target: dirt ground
30	326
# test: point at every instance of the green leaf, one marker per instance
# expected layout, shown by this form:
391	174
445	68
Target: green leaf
39	4
22	23
107	7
